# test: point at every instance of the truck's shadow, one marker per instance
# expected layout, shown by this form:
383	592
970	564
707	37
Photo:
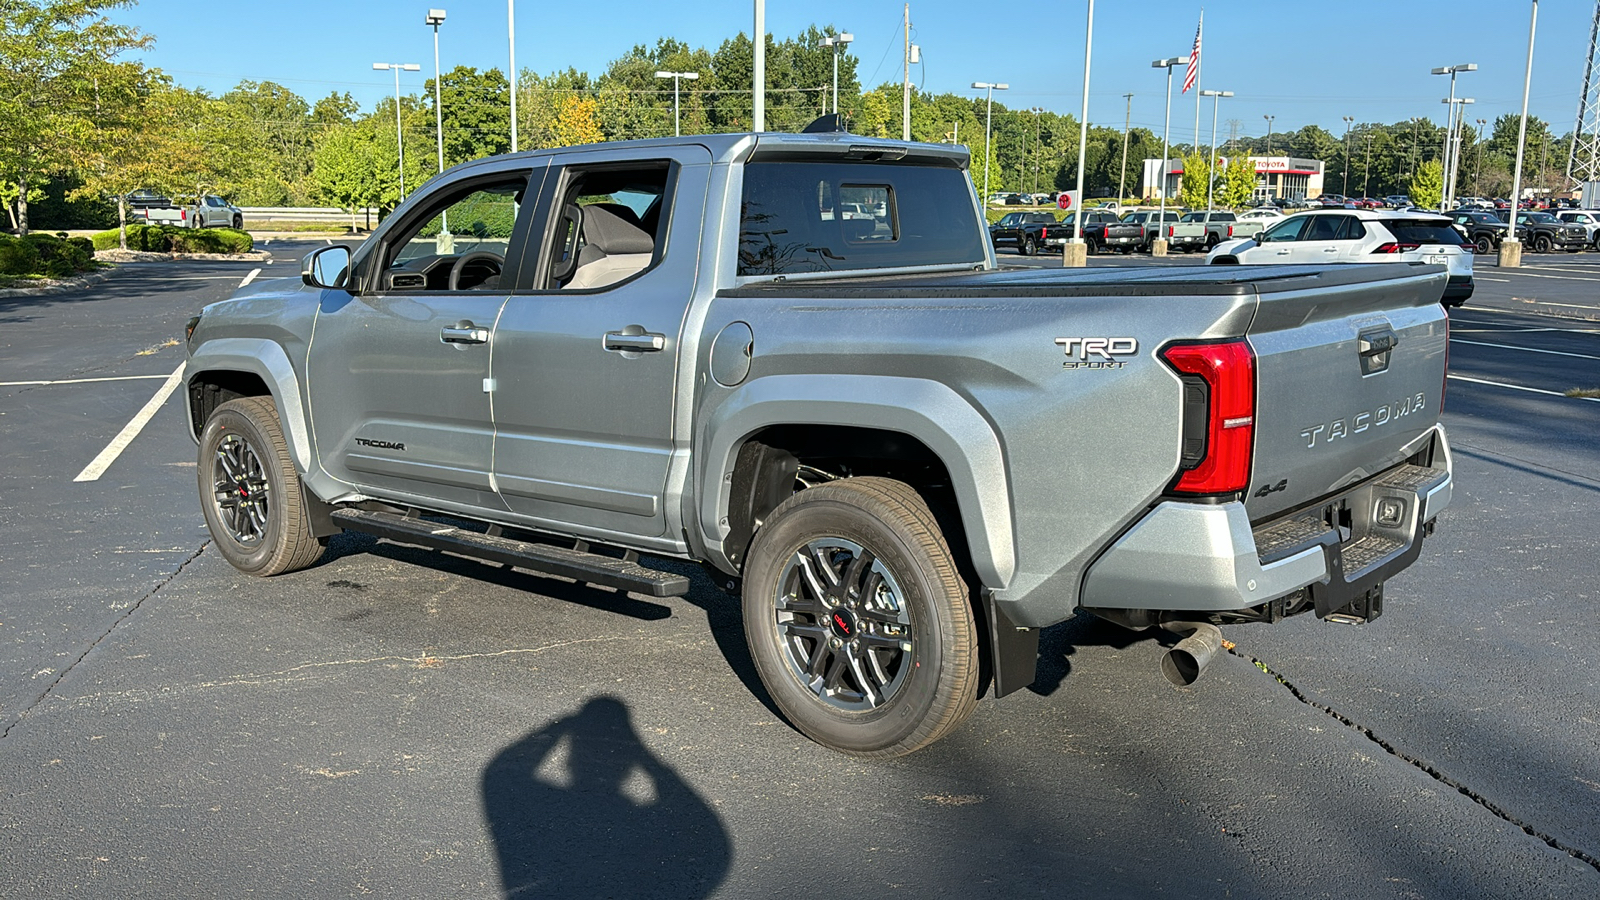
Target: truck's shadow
582	808
1058	643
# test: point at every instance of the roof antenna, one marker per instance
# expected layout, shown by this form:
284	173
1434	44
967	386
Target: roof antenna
832	122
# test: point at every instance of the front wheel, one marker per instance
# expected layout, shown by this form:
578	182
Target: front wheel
1484	244
250	492
858	621
238	223
1542	243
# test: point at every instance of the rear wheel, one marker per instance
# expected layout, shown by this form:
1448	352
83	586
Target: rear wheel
1028	247
858	621
250	492
1484	244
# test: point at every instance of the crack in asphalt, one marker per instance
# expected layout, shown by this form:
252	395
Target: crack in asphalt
1432	772
134	607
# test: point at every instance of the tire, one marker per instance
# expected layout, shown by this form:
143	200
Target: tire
1484	244
870	678
238	223
1028	247
1211	242
250	492
1542	243
1090	248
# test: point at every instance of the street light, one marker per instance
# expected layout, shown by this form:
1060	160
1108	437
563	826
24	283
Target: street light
1477	169
1166	133
1083	148
1211	174
399	133
988	118
837	42
1345	189
511	40
1457	120
1449	131
436	18
1269	131
1512	255
686	76
1036	110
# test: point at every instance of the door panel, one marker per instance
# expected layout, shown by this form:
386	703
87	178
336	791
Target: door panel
585	380
398	375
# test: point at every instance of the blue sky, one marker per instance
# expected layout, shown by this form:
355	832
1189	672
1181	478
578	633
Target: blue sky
1286	60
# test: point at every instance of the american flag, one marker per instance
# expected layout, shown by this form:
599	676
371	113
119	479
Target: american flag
1193	73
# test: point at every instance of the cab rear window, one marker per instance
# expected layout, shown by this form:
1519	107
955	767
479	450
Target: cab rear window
1423	232
802	216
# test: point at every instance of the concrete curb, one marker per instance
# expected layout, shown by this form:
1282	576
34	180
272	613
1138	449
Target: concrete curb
58	286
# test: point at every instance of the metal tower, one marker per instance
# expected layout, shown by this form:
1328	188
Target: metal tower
1583	160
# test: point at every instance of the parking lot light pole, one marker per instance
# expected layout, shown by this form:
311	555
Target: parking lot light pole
1166	134
1449	131
1211	174
399	132
1345	188
1269	132
687	76
436	18
1511	248
988	118
1076	252
1458	120
1477	168
837	43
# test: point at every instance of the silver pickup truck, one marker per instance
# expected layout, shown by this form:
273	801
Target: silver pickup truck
904	461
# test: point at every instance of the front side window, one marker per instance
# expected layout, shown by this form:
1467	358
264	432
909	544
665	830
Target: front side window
1287	230
460	242
888	216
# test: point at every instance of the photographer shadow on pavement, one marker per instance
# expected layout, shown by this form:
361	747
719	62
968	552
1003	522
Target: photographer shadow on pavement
582	808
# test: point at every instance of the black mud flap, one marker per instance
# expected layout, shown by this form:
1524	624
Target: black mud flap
1014	650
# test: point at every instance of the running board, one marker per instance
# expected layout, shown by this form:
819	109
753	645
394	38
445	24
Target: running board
578	564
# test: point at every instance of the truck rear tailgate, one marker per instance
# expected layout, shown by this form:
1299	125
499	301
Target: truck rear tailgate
1348	380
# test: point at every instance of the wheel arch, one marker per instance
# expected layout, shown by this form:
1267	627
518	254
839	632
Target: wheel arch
223	369
770	425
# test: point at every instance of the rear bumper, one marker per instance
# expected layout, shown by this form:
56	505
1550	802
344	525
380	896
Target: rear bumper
1458	288
1200	558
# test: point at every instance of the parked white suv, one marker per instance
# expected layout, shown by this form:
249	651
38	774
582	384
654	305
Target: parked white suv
1588	218
1358	236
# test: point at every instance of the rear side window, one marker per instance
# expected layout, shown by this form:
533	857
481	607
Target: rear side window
799	216
1423	232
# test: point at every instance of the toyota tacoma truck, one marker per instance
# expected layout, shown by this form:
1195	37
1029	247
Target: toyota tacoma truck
902	460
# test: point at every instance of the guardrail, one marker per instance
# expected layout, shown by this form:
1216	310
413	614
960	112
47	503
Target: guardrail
331	214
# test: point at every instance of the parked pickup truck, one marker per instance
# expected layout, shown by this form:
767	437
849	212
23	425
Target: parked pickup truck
1200	230
1023	232
209	211
903	461
1542	232
1102	232
1149	223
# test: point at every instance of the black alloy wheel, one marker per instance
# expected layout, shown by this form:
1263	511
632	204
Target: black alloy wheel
250	492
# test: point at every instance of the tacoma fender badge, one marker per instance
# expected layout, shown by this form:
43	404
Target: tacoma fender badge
1096	352
381	445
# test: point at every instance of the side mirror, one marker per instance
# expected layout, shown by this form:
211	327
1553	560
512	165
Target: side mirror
327	268
1257	236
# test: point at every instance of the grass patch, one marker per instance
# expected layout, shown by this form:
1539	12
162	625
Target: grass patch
1590	393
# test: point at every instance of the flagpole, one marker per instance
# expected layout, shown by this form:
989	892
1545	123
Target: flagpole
1199	66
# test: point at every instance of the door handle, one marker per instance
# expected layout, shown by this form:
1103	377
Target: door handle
1330	249
465	333
638	343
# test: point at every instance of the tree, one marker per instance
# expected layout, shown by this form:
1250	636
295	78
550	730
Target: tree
1195	174
334	109
476	114
143	146
345	171
576	123
1237	183
1427	186
52	53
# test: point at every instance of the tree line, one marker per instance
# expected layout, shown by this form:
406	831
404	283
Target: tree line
80	126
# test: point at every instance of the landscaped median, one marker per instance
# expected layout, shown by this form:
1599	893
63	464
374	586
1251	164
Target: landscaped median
39	257
172	239
45	263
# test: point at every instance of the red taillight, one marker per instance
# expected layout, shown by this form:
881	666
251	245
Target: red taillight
1044	232
1229	372
1169	231
1395	247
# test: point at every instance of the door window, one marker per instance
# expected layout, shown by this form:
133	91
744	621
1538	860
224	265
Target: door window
608	226
1287	230
460	242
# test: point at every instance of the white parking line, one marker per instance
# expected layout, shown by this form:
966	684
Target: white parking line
1524	349
1556	277
1487	278
99	464
1499	327
249	278
84	380
1518	387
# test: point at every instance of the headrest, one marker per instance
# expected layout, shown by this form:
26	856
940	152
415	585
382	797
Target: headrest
611	234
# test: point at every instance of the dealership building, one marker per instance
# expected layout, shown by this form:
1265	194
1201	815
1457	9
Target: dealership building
1276	177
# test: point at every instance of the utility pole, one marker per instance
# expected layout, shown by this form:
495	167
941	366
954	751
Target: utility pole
1036	110
1127	120
511	38
905	96
758	75
1345	189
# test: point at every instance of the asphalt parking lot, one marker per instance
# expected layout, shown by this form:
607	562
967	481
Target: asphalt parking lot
398	723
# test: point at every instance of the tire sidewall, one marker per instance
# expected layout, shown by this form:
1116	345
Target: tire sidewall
898	719
230	419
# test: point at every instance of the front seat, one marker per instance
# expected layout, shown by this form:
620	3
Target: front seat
613	249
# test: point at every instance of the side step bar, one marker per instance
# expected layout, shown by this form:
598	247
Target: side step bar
579	565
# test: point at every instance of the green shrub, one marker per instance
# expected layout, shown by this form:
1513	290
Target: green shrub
18	257
172	239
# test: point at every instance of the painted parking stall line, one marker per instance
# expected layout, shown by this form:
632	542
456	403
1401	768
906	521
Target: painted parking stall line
1519	387
249	278
84	380
1524	349
103	461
